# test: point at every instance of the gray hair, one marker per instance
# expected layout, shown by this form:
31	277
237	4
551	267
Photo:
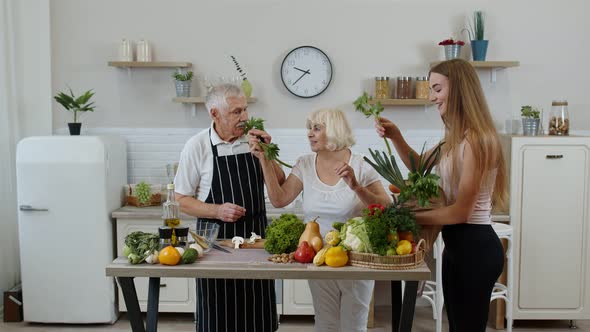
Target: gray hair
216	97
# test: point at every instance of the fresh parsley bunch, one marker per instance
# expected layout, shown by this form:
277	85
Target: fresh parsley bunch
363	104
271	150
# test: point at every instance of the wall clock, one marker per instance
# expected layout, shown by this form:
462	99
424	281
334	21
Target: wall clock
306	71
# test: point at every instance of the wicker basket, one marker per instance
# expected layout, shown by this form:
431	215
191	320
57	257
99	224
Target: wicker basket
155	198
398	262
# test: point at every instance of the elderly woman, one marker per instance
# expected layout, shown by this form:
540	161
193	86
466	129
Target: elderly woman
337	184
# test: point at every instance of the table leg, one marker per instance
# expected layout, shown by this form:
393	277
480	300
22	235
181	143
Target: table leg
396	304
132	304
407	317
152	308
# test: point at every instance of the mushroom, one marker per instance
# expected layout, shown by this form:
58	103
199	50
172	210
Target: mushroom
237	241
253	238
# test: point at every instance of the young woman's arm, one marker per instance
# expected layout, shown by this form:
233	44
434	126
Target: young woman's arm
460	211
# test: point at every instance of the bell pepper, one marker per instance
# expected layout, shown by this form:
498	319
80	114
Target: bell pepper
336	257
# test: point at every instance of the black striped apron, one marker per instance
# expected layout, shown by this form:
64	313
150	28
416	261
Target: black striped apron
228	305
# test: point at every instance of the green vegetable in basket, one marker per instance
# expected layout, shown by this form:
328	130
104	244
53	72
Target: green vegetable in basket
143	191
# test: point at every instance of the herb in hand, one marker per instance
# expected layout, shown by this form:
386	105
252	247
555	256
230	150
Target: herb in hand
362	104
271	150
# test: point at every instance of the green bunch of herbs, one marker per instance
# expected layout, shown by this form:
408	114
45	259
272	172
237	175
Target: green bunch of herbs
363	104
422	183
271	150
139	245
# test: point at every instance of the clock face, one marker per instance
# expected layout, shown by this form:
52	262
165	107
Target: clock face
306	71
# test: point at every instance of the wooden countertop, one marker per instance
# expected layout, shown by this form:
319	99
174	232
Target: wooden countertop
155	212
253	264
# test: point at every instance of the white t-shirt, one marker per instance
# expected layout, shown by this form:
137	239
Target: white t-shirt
195	168
331	203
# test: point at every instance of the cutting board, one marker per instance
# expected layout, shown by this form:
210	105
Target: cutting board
256	245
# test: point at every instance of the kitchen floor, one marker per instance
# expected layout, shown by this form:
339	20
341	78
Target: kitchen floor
184	322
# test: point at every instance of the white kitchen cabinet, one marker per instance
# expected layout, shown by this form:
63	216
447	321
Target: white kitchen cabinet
297	298
549	201
176	294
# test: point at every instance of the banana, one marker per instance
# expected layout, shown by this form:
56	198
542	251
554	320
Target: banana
320	257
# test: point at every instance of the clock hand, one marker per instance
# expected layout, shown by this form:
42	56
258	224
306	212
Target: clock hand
300	77
305	71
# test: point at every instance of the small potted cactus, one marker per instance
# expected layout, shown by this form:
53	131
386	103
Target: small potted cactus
530	120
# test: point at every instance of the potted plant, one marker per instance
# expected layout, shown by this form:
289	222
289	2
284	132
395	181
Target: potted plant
76	104
479	45
452	48
530	120
183	83
246	86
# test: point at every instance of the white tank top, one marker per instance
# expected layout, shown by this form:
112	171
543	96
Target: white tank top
482	212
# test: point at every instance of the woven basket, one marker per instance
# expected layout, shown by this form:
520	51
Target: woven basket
155	198
398	262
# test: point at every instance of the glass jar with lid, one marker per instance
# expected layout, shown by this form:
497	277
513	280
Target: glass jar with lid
559	123
381	87
404	87
422	88
165	236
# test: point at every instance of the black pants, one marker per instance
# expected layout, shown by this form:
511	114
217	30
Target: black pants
473	260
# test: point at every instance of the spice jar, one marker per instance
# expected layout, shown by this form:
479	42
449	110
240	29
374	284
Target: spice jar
559	123
165	236
181	236
422	88
404	87
381	87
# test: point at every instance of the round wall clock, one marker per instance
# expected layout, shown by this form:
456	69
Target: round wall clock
306	71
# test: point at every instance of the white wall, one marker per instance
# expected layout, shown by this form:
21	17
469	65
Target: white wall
362	39
26	96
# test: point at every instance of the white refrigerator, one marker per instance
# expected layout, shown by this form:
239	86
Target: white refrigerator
67	188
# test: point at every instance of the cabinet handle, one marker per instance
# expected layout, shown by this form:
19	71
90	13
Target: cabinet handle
554	156
162	285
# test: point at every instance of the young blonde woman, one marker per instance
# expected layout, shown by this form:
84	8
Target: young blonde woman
337	185
473	175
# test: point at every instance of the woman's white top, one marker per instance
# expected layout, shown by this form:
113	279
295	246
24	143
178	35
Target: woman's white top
482	212
331	203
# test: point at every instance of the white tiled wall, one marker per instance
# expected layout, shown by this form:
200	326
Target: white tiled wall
150	149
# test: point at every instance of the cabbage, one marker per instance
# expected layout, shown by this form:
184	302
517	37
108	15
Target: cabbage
354	235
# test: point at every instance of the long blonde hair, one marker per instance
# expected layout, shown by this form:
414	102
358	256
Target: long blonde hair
468	117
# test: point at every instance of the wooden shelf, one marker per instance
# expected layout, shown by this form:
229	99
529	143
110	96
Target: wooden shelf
201	100
487	64
158	64
401	102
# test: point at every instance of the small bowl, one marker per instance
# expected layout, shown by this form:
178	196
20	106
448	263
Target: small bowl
208	231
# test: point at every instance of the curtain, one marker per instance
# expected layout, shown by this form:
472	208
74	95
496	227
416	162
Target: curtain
9	137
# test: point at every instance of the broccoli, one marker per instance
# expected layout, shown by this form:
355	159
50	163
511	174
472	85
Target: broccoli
282	235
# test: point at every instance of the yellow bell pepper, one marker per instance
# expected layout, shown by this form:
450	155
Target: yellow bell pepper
404	247
336	257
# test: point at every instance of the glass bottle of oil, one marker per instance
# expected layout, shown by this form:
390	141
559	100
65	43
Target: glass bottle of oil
171	211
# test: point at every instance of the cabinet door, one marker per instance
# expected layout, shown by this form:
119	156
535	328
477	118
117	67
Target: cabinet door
176	294
554	199
297	298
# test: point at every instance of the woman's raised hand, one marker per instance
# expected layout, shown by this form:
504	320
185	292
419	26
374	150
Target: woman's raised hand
385	128
344	171
254	137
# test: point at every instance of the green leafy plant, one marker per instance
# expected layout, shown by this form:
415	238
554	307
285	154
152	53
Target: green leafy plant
282	234
271	150
476	29
363	104
143	191
183	77
422	184
246	86
76	104
529	112
383	225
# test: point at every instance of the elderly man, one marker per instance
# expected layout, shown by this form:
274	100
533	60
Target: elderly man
218	180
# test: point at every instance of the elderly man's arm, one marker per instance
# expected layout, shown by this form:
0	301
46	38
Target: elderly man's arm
227	212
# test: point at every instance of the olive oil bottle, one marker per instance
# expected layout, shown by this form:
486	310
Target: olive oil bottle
171	211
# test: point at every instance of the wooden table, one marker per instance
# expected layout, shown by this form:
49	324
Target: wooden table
253	264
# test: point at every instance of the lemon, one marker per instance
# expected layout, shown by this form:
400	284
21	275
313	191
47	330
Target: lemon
404	247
